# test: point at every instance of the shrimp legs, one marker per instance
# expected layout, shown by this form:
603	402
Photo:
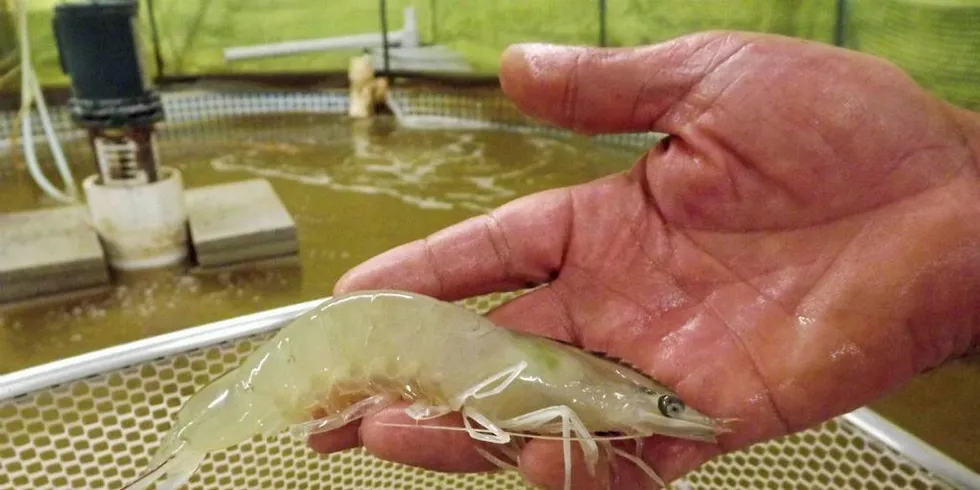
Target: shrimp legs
498	433
570	422
490	432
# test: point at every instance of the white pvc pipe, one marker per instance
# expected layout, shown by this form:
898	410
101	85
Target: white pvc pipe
410	31
407	37
142	225
357	41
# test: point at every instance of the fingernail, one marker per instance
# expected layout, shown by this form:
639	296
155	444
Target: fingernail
542	58
534	76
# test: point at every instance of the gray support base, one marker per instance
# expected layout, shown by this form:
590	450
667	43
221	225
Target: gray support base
237	223
49	252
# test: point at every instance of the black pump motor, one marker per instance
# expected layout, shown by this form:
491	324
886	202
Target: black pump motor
99	49
98	46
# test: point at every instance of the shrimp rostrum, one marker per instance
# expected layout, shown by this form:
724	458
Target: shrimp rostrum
356	353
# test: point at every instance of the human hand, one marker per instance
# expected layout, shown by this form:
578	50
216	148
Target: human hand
807	239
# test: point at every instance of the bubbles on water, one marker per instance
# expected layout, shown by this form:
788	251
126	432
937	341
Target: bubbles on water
144	297
457	168
328	254
320	178
85	310
434	170
190	284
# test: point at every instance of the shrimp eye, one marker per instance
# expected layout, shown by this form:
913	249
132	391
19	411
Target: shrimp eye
670	406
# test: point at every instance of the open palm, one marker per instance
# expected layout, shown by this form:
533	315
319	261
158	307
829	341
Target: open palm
803	242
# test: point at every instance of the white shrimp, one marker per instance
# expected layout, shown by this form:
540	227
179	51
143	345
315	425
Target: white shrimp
359	352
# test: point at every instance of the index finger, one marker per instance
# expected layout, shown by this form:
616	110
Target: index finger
601	90
520	244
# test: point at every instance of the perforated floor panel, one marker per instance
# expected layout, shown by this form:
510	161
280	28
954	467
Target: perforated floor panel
100	432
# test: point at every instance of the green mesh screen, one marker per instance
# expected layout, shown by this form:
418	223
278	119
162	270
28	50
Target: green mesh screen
937	41
632	22
9	56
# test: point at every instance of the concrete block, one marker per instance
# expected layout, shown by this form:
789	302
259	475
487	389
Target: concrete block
239	222
49	251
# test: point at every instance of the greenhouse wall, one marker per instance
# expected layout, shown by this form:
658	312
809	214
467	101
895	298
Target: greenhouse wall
936	41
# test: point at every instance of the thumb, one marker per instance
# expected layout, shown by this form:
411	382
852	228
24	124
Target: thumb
599	90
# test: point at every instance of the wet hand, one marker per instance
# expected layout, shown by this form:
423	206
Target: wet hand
806	240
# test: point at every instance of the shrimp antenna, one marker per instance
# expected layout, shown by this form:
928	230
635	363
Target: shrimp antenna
495	460
150	476
515	434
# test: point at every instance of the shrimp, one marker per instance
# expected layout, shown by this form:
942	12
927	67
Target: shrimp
358	352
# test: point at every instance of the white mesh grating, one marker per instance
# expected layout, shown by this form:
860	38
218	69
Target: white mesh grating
196	106
834	455
191	107
99	432
467	109
418	109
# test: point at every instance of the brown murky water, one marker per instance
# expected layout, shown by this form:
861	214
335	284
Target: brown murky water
356	189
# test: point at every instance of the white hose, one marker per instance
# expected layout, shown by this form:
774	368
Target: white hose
59	157
30	86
